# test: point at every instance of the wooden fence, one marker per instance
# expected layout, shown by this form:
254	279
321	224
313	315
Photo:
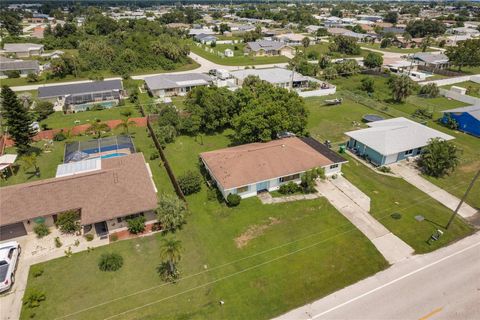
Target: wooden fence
159	148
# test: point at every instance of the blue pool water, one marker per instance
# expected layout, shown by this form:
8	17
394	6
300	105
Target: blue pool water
113	155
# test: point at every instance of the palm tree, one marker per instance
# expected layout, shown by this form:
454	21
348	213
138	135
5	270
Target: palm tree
30	161
98	127
170	251
125	124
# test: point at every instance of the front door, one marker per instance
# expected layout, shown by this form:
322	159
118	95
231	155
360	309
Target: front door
101	229
263	186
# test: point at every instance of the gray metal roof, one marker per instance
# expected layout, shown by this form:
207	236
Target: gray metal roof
205	37
472	110
79	88
272	75
170	81
266	45
10	65
433	58
21	47
396	135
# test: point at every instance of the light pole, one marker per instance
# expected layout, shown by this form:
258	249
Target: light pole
463	199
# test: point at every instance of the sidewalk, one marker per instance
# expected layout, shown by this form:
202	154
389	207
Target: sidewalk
410	174
352	203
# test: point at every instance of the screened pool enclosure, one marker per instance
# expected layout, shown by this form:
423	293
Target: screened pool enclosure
104	148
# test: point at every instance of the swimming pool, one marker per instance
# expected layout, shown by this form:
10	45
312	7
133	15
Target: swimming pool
113	155
85	106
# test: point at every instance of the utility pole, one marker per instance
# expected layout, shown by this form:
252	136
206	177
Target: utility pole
463	199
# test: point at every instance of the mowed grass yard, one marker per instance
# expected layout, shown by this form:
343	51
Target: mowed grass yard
394	195
238	59
60	120
394	49
262	260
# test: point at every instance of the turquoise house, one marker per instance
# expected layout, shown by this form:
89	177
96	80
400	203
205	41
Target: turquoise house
392	140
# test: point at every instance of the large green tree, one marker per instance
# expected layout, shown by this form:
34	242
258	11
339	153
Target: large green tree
170	253
402	87
439	158
17	120
426	27
215	107
373	60
266	111
465	53
346	45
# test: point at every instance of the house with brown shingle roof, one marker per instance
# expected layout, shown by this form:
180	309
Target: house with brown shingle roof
120	187
251	168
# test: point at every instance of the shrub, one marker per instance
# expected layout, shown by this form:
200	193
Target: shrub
58	243
190	182
68	222
308	181
136	225
43	109
166	273
154	155
113	237
110	262
384	169
423	113
32	77
171	212
41	230
289	188
89	237
12	74
33	298
430	90
68	252
60	136
233	200
37	272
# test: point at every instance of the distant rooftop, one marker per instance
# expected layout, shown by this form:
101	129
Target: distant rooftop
170	81
79	88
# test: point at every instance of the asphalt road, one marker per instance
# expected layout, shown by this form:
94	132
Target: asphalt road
444	284
205	66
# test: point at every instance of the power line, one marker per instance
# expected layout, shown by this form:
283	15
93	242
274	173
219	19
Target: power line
415	202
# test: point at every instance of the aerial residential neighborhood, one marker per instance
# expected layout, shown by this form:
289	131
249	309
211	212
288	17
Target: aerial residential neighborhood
239	160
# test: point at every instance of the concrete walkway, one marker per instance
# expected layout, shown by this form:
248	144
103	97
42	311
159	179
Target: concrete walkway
354	205
410	173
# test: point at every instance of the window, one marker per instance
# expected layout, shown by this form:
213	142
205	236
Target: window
290	177
333	166
408	152
242	189
10	253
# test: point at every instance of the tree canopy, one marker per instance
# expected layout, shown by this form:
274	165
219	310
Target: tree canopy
465	53
17	120
439	157
426	27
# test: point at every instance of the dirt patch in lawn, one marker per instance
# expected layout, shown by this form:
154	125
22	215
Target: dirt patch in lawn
471	167
254	232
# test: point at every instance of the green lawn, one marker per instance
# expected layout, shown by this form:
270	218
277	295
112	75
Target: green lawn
389	195
303	251
330	122
322	48
60	120
238	60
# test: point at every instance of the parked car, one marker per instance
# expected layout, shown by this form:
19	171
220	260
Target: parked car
9	253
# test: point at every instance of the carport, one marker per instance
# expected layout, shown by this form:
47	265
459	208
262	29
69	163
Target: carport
12	231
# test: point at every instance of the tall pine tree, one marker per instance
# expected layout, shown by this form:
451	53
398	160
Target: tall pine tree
17	120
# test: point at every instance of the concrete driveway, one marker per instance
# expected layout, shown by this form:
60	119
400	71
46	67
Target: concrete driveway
354	205
410	173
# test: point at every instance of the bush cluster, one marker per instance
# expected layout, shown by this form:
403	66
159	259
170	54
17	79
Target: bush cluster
110	262
190	182
289	188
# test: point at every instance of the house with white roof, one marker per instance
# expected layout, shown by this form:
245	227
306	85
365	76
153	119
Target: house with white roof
22	50
392	140
175	84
